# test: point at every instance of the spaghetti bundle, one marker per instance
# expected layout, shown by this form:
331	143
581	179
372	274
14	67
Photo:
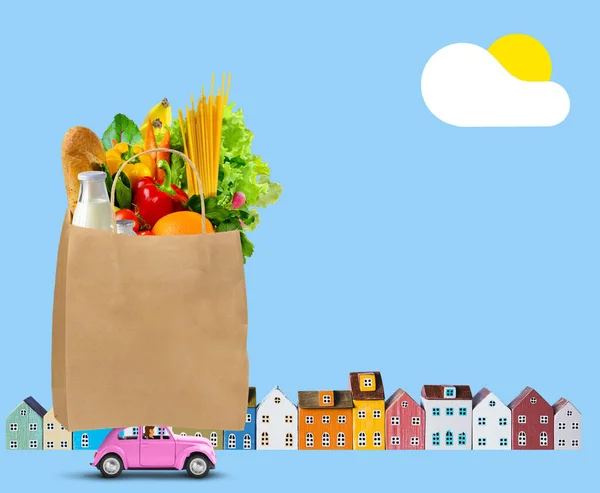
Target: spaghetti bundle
201	132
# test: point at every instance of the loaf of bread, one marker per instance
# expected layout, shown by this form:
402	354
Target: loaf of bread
81	151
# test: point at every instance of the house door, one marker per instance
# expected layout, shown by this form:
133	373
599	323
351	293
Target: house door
157	449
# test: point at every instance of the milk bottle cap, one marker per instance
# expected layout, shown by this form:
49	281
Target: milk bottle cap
92	176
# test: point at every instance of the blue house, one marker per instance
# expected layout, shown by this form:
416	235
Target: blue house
246	438
89	439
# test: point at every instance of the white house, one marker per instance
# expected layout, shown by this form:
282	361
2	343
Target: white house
567	426
492	422
276	422
448	416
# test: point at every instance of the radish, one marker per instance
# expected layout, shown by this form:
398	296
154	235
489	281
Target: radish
238	200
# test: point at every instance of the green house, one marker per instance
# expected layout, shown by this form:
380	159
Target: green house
24	426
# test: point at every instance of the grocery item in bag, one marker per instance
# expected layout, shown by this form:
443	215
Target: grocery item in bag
93	208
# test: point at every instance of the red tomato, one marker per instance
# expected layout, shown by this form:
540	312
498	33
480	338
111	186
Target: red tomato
127	215
146	233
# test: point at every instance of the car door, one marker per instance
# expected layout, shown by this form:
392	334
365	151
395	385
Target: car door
157	450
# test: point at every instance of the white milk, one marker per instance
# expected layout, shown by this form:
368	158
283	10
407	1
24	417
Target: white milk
93	208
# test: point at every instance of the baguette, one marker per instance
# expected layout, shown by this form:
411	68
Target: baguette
81	151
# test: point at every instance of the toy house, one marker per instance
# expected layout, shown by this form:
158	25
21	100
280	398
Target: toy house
448	416
89	439
532	422
276	422
491	422
215	436
325	420
246	438
404	423
56	436
369	410
567	425
24	426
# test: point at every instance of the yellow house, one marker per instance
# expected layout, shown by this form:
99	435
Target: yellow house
369	410
56	437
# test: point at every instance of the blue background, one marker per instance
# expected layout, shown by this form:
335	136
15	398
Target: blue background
431	253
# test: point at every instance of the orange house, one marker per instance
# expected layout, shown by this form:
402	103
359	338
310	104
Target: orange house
325	420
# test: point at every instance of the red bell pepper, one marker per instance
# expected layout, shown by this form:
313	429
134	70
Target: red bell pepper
153	200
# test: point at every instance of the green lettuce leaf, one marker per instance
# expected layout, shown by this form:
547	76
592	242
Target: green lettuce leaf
122	129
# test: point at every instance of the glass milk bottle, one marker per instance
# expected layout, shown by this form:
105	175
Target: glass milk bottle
125	227
93	208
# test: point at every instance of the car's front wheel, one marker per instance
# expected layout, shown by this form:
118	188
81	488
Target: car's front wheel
197	466
111	466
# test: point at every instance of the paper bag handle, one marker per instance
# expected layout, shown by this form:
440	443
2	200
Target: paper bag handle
160	149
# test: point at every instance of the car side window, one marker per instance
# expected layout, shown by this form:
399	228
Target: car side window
151	433
128	434
165	434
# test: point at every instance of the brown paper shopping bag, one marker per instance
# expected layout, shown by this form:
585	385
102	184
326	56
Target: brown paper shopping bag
149	330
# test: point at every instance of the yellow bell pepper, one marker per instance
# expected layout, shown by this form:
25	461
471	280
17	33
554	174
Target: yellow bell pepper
139	168
136	171
114	157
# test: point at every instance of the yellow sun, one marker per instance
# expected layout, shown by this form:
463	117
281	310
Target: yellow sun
523	56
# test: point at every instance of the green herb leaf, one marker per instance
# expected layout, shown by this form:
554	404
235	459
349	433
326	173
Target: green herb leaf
122	129
109	179
247	246
178	172
123	195
228	226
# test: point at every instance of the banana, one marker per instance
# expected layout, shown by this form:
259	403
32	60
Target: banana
161	111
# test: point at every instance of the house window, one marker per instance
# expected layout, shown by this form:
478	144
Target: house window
231	441
416	421
341	439
543	439
522	420
562	443
481	421
248	418
533	400
562	426
23	412
277	400
435	411
449	439
414	441
247	442
492	403
395	440
265	418
183	434
569	413
543	420
325	439
368	382
310	420
377	414
342	420
49	426
395	420
310	441
504	442
326	399
198	434
13	444
62	428
14	427
289	440
362	439
462	438
377	439
574	443
482	442
85	440
288	419
449	392
64	444
522	439
435	438
462	411
264	439
326	420
404	404
449	411
135	431
574	426
49	444
214	439
33	444
503	421
362	414
32	426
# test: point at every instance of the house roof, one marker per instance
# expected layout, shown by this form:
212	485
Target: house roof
436	392
560	404
276	388
395	397
36	406
524	393
309	399
479	396
358	395
252	397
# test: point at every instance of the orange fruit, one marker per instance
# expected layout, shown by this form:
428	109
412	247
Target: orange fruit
181	223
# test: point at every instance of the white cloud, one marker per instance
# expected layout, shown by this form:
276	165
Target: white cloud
464	85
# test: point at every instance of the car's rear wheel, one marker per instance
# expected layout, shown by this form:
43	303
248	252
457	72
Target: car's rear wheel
197	466
111	466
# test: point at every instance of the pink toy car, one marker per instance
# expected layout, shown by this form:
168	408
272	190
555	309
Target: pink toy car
155	448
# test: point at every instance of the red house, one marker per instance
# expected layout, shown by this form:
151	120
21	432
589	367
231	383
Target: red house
532	422
404	423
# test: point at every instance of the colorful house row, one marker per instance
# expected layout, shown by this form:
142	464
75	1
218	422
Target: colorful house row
447	418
